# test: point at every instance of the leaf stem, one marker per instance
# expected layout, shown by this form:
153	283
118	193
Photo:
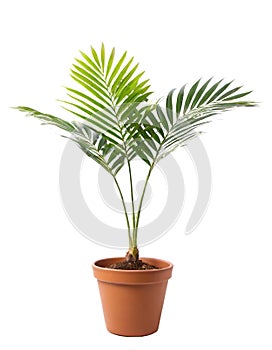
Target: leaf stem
134	238
125	209
141	201
144	190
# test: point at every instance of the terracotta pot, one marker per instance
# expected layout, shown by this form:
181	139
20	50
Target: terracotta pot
132	300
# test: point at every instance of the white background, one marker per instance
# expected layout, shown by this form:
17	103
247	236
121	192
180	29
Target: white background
220	293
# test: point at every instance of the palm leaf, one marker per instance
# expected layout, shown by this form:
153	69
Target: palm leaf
95	145
105	84
108	89
102	57
198	104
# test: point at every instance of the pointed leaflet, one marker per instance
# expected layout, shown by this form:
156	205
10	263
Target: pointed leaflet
121	74
237	96
190	96
127	77
117	67
95	56
219	92
200	93
90	61
88	67
129	88
102	55
208	93
93	85
88	98
89	74
180	100
169	106
110	62
231	92
162	118
92	90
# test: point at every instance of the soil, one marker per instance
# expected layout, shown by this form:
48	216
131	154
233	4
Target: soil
132	265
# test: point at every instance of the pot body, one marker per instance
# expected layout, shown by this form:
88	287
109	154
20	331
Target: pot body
132	300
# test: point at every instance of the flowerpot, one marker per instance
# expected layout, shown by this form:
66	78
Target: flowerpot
132	300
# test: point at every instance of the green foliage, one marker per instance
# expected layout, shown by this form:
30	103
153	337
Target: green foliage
93	144
106	85
183	114
115	122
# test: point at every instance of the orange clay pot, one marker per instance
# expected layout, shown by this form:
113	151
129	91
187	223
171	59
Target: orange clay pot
132	300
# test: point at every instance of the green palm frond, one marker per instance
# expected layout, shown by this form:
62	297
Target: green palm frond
46	118
98	147
178	122
95	145
110	91
109	87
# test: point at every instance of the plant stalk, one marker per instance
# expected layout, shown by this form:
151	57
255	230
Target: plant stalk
125	210
134	243
141	200
144	190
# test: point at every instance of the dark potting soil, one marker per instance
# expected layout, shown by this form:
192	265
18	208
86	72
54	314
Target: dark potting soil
132	265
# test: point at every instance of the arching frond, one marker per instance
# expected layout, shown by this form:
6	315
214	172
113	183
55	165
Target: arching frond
108	87
95	145
192	107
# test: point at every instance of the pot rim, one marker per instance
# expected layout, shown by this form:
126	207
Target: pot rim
169	266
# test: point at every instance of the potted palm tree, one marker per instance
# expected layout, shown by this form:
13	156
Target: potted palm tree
115	123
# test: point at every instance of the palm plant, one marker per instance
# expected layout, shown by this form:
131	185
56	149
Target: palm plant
115	122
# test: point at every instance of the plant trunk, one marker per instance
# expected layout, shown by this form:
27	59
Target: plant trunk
132	255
